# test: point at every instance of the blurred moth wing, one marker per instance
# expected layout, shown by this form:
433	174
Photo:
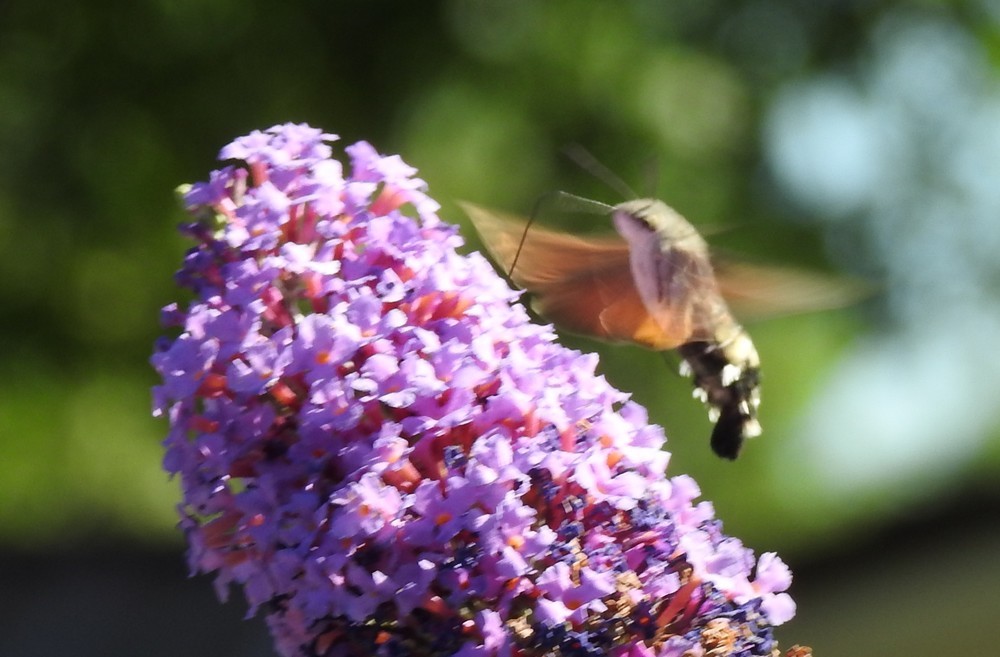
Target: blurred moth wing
755	291
583	285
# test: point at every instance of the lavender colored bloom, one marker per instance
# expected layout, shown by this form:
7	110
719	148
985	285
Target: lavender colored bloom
380	449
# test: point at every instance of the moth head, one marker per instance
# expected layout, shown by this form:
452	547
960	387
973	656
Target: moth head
650	216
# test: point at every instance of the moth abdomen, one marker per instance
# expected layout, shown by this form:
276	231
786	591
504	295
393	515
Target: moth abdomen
726	377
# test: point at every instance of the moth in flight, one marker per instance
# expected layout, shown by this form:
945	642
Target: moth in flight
654	284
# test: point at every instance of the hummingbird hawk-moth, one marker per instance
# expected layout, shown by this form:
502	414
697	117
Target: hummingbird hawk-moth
654	284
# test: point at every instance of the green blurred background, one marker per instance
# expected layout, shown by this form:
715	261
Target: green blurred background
858	137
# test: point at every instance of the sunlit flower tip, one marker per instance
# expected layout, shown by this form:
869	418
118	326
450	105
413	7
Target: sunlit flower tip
390	459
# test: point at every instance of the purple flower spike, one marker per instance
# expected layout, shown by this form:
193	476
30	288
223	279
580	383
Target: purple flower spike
377	445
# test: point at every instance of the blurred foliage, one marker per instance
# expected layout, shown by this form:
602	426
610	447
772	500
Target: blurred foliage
106	107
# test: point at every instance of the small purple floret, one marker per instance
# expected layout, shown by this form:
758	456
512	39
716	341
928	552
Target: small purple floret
377	445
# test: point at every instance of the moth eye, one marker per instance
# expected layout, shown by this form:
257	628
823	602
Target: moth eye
644	222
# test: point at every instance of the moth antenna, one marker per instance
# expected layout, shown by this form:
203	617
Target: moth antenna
586	161
566	202
651	175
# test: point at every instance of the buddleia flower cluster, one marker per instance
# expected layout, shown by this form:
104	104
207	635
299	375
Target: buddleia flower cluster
376	444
